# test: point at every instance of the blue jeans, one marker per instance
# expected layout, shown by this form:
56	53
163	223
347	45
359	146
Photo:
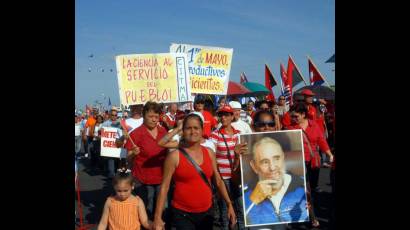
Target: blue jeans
78	142
236	197
148	194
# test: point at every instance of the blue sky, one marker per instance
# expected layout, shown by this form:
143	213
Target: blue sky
259	32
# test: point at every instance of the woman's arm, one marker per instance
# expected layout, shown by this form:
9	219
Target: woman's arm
104	218
278	124
166	141
170	164
142	214
222	189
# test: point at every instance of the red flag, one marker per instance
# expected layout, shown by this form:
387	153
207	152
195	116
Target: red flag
243	78
294	73
286	85
314	75
269	83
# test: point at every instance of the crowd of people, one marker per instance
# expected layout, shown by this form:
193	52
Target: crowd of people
181	165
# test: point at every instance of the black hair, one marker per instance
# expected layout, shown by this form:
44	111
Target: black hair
199	99
220	99
102	118
299	108
192	115
151	106
123	175
259	114
259	103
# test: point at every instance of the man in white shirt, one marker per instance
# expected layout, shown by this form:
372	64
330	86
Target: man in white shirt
238	123
77	134
136	118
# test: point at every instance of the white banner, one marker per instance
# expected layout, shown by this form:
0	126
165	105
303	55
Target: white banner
108	147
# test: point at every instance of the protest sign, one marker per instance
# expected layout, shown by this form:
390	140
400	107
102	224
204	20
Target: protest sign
108	147
273	178
209	67
162	78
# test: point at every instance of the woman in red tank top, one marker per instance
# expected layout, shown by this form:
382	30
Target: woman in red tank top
192	198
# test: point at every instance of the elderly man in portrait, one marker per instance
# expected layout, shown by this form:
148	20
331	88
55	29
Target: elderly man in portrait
277	197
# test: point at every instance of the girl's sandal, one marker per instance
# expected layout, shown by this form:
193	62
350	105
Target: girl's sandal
315	223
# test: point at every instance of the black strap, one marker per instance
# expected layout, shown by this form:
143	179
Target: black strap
196	166
308	142
310	147
229	153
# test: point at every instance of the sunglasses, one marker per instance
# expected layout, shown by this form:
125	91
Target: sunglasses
221	114
282	99
114	115
260	124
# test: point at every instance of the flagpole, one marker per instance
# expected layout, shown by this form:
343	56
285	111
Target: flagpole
318	70
297	68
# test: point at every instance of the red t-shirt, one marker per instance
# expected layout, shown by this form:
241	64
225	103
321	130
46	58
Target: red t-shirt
209	123
313	115
286	120
316	139
191	194
148	163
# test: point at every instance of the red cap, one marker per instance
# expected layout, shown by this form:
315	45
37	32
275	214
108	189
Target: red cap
307	92
226	108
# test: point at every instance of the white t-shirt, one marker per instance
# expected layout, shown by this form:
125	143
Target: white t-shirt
242	126
134	123
209	144
96	128
77	131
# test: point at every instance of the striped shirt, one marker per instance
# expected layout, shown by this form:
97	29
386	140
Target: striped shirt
123	214
221	150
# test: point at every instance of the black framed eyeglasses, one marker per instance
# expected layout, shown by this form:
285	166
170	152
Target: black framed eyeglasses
260	124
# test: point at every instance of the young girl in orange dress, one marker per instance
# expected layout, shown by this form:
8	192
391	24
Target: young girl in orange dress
124	211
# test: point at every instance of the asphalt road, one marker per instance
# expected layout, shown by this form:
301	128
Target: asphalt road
95	187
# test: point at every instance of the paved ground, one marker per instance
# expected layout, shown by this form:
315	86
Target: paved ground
95	187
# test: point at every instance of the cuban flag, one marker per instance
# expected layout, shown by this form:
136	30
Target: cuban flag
314	75
286	86
243	78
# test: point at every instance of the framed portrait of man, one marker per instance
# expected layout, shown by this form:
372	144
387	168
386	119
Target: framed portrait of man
273	178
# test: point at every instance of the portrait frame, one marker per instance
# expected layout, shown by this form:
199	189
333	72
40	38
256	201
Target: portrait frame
291	142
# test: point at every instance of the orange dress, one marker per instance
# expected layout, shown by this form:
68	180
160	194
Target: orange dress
123	215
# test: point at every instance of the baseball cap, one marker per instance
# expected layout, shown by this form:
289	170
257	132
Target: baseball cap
307	92
199	114
235	105
225	108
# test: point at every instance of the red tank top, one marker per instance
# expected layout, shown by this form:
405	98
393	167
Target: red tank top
191	194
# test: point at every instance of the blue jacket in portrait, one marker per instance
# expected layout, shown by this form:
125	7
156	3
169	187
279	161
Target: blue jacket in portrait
292	207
